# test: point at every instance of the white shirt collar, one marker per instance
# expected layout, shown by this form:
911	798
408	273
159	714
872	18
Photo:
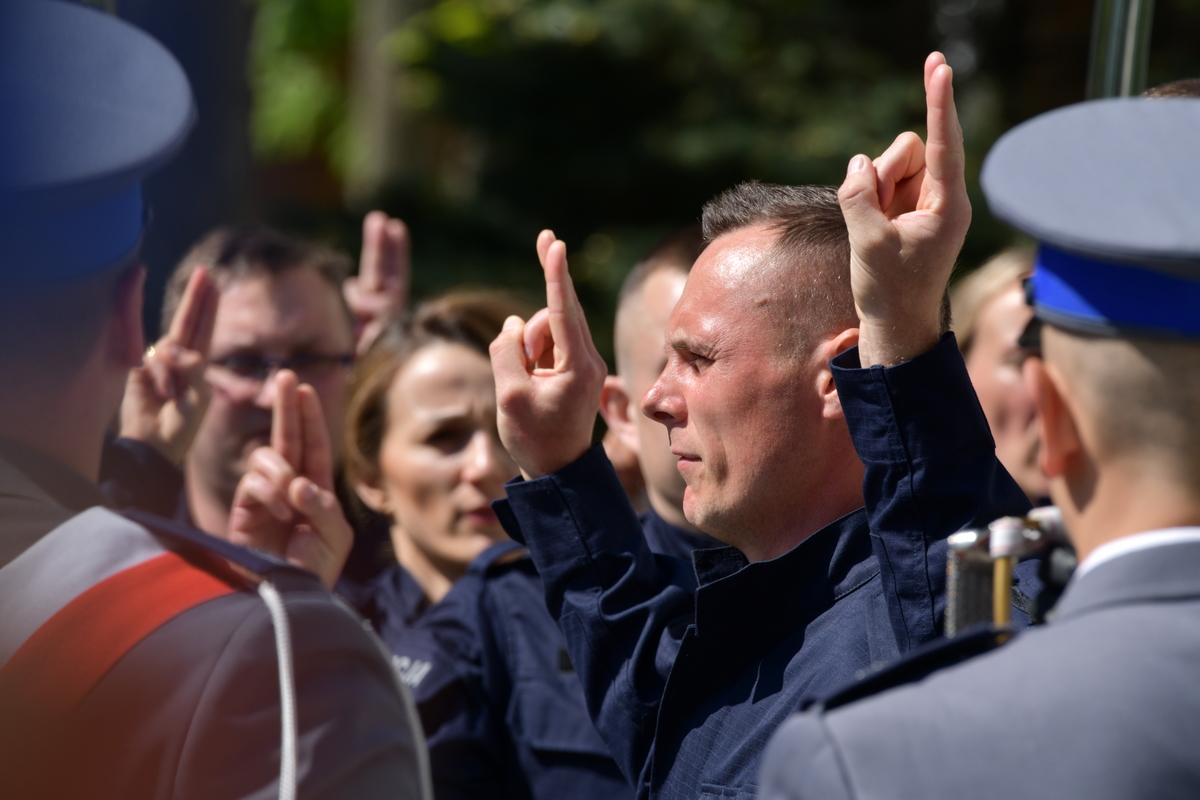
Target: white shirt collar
1135	542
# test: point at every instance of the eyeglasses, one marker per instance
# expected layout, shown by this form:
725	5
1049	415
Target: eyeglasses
252	371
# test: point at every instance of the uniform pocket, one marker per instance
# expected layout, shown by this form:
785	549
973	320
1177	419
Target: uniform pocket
551	716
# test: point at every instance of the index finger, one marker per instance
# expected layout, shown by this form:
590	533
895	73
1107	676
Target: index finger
944	156
286	431
318	453
567	327
191	328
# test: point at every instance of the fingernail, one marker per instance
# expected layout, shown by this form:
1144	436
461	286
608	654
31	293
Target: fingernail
857	164
310	494
512	322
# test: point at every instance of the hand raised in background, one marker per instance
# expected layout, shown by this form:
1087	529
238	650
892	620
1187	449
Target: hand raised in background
548	374
165	398
285	503
379	293
907	214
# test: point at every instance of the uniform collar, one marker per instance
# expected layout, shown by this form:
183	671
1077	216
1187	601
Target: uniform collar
1152	573
823	568
60	483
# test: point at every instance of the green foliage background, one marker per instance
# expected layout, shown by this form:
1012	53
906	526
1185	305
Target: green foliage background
612	121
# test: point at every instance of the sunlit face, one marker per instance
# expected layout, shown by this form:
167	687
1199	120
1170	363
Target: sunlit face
737	403
295	313
994	364
441	461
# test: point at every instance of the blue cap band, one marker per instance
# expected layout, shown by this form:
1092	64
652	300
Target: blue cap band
70	242
1104	298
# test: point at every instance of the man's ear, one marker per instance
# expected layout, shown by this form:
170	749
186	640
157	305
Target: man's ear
826	388
127	342
618	412
1058	430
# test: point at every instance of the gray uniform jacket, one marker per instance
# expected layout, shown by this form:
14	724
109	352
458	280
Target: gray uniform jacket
1102	703
193	709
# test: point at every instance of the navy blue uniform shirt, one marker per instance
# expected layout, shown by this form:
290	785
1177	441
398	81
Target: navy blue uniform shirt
687	704
502	706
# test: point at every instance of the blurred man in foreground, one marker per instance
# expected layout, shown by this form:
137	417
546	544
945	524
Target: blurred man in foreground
142	659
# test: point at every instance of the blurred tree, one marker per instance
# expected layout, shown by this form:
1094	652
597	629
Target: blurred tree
612	121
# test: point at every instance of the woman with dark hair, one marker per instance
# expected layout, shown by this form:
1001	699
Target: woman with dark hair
462	609
422	449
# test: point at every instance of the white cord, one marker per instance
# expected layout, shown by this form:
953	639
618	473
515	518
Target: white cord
287	690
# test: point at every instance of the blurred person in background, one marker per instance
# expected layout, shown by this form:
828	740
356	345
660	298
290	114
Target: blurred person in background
648	295
284	303
989	313
422	450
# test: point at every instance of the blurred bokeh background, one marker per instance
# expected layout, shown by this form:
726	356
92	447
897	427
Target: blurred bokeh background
479	122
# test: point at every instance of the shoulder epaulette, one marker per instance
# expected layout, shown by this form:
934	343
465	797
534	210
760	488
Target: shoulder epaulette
918	664
259	562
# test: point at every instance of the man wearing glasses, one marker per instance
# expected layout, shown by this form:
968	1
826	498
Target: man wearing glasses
281	306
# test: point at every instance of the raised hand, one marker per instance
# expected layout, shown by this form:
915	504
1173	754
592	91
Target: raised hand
285	502
165	398
548	374
907	213
379	293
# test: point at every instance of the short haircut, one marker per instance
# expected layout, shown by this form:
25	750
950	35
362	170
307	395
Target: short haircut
812	232
1140	396
250	251
1187	87
970	294
48	330
677	252
470	318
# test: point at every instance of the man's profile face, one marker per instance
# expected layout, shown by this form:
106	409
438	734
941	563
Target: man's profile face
739	405
272	317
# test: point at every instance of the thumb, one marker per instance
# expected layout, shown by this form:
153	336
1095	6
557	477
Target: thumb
859	197
508	353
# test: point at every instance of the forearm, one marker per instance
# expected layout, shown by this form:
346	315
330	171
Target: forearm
930	470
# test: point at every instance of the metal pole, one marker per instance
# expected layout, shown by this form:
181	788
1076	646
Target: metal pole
1120	48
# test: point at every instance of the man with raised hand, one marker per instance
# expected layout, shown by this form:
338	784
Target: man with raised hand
770	433
1102	702
135	661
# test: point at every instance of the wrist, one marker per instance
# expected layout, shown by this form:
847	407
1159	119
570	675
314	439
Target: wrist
887	343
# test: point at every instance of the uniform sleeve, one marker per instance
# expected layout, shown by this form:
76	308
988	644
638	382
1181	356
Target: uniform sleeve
931	470
801	763
356	737
622	611
135	475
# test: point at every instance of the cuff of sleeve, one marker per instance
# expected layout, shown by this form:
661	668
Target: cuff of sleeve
892	411
133	473
576	512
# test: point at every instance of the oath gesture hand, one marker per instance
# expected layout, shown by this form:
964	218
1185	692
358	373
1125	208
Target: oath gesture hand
548	374
379	292
907	213
165	398
285	502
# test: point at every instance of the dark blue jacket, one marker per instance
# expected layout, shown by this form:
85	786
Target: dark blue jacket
670	540
503	710
686	703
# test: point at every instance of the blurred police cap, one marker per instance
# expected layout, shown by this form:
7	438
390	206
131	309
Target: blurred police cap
90	105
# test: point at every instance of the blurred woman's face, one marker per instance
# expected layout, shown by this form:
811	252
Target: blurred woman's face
994	364
441	460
